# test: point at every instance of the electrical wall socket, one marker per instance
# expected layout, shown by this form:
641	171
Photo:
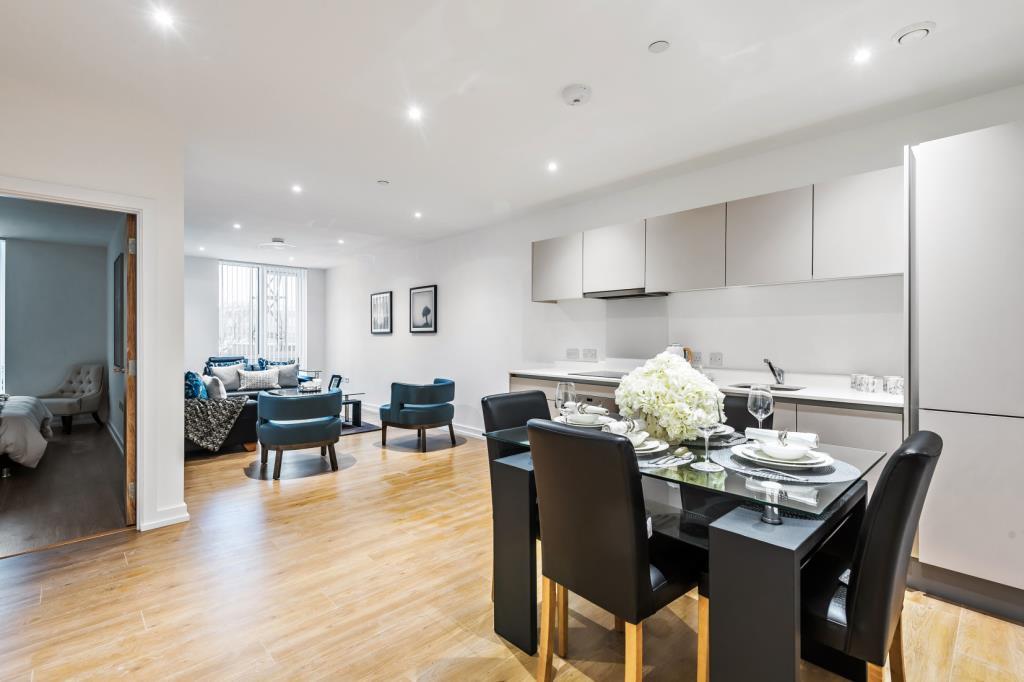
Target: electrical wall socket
345	380
590	354
698	357
572	353
715	360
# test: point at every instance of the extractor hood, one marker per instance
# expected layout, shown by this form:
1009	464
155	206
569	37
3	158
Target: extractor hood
639	292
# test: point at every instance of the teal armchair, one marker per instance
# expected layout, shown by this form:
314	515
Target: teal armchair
297	423
419	407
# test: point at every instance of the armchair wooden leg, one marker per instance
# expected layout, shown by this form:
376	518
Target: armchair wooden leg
423	440
547	623
323	450
634	652
896	670
334	457
383	434
451	432
703	613
263	453
277	464
620	625
65	422
875	673
96	418
562	599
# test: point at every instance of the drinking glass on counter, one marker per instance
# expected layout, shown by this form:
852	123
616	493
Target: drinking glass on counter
565	393
760	404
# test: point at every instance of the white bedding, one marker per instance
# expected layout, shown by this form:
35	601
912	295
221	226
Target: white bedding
24	428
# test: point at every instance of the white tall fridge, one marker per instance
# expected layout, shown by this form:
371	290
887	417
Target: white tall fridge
966	303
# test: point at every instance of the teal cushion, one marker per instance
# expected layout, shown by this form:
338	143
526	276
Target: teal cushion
413	415
299	432
194	387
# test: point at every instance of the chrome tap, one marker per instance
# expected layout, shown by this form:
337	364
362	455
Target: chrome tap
777	372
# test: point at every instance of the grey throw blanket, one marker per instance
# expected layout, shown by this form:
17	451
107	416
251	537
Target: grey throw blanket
208	422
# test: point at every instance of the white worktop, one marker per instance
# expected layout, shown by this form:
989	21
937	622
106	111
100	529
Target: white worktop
817	388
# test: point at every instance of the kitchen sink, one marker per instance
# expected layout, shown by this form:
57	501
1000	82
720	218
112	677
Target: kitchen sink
773	387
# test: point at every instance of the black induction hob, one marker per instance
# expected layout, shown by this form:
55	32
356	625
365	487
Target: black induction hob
600	373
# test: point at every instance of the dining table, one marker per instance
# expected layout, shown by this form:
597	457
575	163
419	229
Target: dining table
757	539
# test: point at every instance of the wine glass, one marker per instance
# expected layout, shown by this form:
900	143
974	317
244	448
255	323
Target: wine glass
707	429
760	404
565	393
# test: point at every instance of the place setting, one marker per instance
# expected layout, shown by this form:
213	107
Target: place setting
785	457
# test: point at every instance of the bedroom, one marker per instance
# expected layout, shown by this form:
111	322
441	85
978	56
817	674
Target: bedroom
62	386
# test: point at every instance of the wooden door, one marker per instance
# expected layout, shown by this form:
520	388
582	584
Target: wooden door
130	411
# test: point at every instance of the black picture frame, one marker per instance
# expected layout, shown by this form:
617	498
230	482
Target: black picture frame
423	309
335	382
381	313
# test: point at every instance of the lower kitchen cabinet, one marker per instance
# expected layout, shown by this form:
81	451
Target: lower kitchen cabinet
784	416
855	429
972	521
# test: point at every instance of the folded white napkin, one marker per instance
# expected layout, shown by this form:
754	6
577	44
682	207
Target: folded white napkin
588	409
794	437
622	427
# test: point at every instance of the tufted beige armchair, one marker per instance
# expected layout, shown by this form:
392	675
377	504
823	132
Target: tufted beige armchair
80	393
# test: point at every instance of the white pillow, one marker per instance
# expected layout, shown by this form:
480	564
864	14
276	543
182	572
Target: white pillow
228	374
258	380
215	388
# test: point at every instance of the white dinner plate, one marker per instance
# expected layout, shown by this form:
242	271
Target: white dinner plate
662	446
821	459
601	421
650	445
723	430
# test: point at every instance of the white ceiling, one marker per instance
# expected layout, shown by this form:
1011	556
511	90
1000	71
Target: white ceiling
270	93
47	222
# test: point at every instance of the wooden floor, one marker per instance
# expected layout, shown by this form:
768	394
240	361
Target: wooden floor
380	571
77	490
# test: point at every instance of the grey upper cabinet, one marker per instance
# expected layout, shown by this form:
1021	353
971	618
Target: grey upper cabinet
613	257
768	238
686	250
858	225
558	268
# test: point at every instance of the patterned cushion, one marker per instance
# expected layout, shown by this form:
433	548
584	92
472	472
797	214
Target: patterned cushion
257	380
226	362
263	363
194	387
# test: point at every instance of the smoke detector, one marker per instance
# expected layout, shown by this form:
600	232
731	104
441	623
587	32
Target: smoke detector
914	32
576	95
277	243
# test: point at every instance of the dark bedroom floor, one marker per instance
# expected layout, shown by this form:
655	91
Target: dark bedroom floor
76	491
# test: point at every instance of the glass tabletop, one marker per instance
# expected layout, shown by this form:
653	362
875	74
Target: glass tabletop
810	498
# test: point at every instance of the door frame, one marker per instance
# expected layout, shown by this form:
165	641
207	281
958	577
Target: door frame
139	207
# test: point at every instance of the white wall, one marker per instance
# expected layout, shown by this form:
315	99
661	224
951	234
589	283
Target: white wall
201	314
487	324
56	312
115	154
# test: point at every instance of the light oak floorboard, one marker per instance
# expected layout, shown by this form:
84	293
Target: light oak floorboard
379	571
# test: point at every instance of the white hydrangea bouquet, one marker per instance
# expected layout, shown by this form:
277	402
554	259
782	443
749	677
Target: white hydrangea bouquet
671	396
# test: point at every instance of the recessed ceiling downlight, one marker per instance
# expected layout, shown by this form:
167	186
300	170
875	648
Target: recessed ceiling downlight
576	94
659	46
383	183
914	32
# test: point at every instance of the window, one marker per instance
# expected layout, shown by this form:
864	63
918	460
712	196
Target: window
262	311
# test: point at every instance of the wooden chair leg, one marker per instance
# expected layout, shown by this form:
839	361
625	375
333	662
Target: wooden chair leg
423	440
451	432
65	422
620	625
634	652
896	670
96	418
875	673
383	434
547	623
263	453
323	450
334	457
562	600
703	640
277	464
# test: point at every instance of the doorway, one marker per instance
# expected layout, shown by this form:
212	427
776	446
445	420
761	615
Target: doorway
68	416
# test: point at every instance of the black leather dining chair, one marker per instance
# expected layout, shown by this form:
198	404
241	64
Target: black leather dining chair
852	595
594	523
508	410
737	416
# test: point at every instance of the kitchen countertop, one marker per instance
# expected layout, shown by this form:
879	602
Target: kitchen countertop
817	388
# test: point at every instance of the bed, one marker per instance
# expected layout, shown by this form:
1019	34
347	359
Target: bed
24	429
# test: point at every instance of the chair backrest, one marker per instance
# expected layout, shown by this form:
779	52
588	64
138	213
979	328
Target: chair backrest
592	516
879	570
737	416
82	380
441	391
508	410
295	408
224	360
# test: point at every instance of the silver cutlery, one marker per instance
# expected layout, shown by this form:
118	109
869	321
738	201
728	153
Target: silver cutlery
772	474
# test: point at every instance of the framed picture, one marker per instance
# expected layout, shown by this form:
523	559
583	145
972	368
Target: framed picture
380	313
335	382
423	310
